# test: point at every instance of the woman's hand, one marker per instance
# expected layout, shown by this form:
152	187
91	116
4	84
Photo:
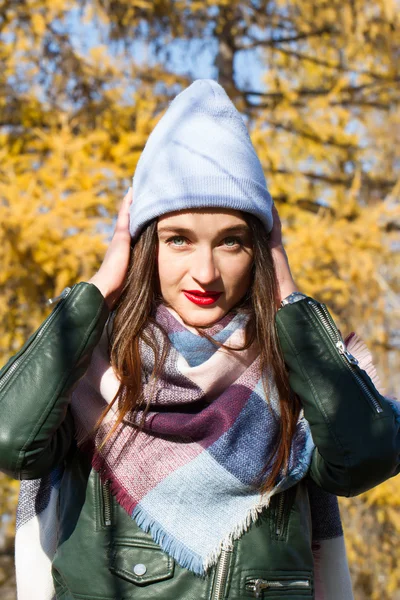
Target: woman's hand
281	261
111	275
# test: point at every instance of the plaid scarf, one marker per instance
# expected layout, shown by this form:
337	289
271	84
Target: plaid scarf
190	475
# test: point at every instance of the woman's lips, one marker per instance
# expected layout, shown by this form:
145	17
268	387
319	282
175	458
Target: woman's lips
202	298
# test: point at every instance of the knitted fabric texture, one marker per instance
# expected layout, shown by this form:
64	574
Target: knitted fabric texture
199	155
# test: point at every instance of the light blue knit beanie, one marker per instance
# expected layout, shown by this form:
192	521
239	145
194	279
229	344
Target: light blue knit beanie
199	155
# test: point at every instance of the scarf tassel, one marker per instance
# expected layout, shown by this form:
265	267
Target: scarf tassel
183	556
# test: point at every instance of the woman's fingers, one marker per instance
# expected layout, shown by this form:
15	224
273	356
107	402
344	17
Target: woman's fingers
122	224
125	200
111	275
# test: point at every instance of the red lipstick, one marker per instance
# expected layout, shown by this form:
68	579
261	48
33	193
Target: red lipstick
202	298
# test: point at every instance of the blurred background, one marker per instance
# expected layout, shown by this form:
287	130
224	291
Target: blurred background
83	83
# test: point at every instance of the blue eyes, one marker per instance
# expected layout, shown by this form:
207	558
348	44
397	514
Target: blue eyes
176	237
237	242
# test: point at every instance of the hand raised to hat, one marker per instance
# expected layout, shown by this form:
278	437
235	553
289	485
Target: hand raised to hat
281	261
110	277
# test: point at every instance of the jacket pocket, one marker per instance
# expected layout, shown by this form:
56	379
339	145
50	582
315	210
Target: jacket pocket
280	508
140	562
106	504
284	586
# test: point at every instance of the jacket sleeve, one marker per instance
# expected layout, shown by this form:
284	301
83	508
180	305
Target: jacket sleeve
355	429
36	425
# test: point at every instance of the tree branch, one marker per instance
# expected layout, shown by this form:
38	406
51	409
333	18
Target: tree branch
288	39
337	66
311	136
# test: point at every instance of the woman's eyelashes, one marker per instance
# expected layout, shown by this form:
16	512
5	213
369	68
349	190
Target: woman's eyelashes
233	242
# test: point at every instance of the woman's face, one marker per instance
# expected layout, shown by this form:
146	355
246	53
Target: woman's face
203	250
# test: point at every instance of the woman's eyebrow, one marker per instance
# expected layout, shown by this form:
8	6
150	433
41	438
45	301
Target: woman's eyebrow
187	231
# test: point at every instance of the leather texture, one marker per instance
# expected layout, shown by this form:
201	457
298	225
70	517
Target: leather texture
35	385
357	447
112	551
101	552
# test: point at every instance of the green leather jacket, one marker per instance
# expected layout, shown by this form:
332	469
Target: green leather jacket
354	429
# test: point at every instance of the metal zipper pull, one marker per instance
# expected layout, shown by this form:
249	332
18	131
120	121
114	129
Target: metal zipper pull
56	299
348	356
257	586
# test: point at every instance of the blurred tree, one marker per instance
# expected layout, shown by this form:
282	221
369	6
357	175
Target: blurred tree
82	84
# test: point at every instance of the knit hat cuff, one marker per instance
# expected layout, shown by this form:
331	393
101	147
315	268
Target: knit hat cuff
224	192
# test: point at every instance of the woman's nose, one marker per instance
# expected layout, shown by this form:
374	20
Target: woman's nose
204	268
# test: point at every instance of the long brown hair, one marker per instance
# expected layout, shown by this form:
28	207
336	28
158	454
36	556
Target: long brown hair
135	309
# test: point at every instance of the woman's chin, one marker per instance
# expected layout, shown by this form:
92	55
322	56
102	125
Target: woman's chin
200	316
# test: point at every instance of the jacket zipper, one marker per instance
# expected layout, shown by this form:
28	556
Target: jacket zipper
257	586
222	572
279	514
40	332
349	360
106	503
61	296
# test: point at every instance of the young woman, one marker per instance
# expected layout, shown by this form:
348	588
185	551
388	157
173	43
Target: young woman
182	421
